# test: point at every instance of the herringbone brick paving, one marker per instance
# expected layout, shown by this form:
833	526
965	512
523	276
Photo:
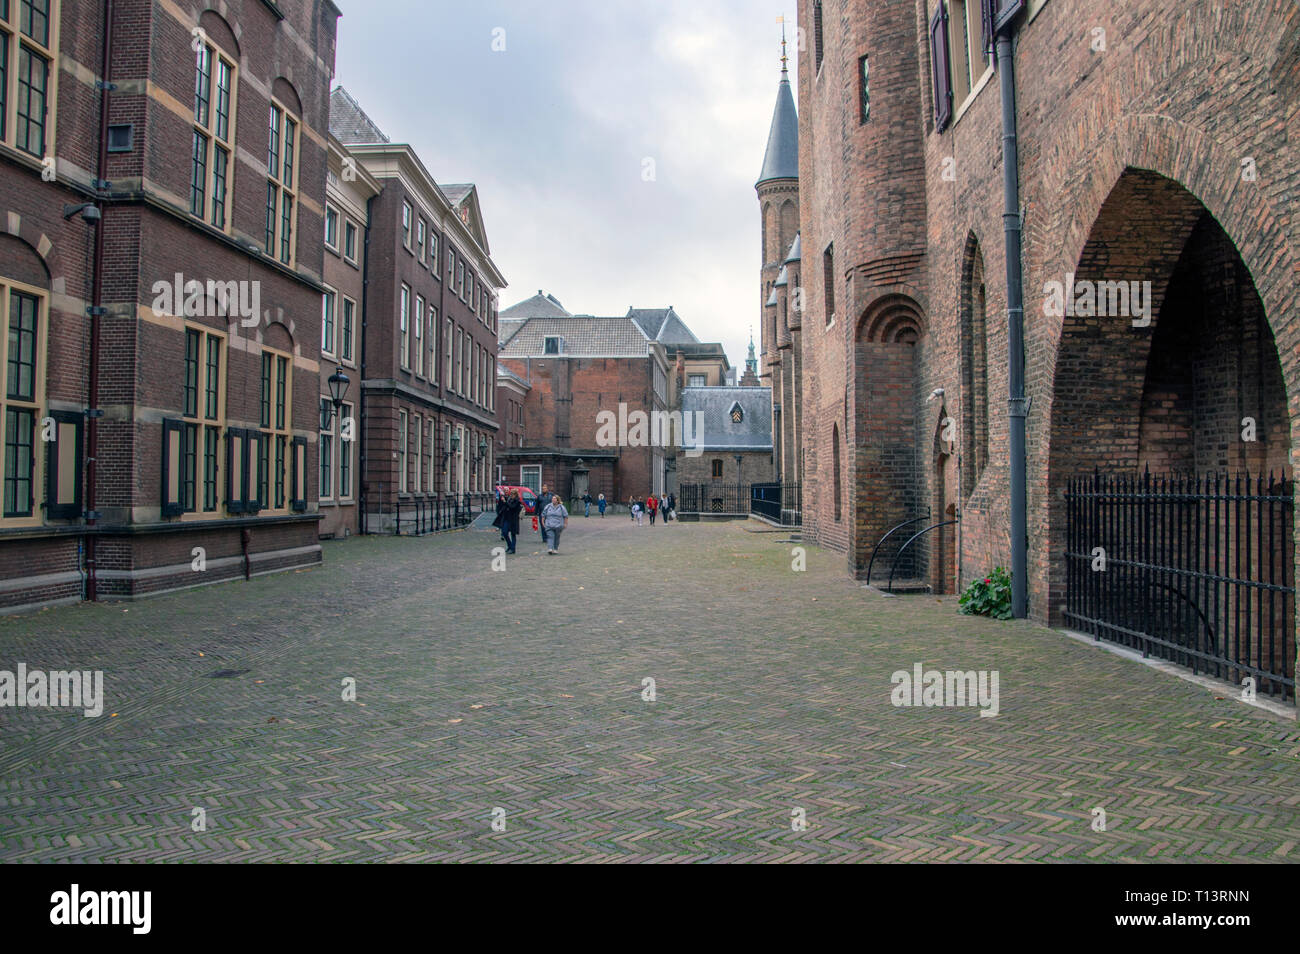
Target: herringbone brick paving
521	691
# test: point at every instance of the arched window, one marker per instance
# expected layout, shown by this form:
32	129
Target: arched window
974	369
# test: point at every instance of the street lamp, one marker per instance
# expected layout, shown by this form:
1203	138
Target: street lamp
338	384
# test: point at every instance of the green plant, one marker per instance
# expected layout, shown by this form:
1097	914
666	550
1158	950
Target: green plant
989	596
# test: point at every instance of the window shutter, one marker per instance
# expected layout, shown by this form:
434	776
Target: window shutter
253	471
988	11
236	470
941	67
298	475
172	505
63	467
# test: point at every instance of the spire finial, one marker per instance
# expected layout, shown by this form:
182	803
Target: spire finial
784	58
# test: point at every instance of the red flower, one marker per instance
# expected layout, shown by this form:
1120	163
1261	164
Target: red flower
988	581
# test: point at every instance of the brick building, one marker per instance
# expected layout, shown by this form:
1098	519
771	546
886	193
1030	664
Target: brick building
735	442
428	426
349	189
1152	149
161	264
575	367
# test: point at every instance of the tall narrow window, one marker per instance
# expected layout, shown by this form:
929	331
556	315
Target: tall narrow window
818	45
406	224
404	327
835	463
417	323
326	486
273	441
417	483
213	136
459	385
346	332
202	421
864	89
448	349
828	281
24	315
327	323
433	344
402	461
941	68
345	454
281	188
419	241
433	251
331	227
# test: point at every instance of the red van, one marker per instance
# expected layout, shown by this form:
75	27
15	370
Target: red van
527	496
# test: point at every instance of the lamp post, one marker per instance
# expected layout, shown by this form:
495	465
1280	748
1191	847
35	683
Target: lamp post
338	384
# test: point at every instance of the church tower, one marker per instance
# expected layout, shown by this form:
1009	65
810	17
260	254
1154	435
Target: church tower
778	200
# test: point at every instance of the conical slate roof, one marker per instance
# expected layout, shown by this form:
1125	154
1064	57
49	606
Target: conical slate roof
795	251
782	158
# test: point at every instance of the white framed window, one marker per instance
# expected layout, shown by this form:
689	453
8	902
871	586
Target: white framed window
346	449
433	345
418	483
433	252
406	224
402	461
530	476
347	329
331	227
327	321
404	327
419	241
433	450
350	241
417	322
325	489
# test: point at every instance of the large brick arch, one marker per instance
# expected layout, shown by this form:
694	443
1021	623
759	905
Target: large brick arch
1153	178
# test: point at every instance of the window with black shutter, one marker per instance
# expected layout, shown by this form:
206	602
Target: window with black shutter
173	456
63	467
239	474
941	68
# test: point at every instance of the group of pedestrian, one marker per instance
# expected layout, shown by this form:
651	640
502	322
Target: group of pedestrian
653	505
601	503
552	518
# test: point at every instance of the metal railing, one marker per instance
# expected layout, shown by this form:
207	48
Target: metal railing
416	516
1195	569
888	534
779	502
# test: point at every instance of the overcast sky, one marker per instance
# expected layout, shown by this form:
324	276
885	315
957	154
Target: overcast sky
556	130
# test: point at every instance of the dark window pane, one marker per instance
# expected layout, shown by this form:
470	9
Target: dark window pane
266	392
286	229
35	20
4	83
189	455
33	74
290	128
281	379
199	174
209	468
272	195
192	373
22	347
223	100
20	460
273	147
280	445
202	85
220	159
212	388
347	331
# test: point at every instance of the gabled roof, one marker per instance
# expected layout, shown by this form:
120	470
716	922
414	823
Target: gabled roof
349	122
540	305
663	325
781	161
463	197
717	430
584	336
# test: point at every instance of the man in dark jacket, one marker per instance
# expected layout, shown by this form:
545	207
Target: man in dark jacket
509	517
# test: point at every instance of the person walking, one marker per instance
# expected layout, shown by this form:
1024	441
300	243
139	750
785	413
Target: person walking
554	519
636	511
672	506
652	505
510	520
600	504
499	522
631	507
542	500
586	504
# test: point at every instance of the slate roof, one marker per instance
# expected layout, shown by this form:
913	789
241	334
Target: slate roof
781	161
795	250
718	432
349	122
540	305
584	335
663	324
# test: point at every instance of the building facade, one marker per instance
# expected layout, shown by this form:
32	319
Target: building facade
428	428
161	265
1159	267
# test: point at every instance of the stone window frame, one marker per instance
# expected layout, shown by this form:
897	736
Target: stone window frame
35	406
206	128
284	128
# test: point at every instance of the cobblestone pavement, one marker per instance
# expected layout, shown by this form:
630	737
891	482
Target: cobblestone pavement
521	692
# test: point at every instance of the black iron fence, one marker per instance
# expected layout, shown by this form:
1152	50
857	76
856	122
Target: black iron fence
780	503
1198	570
415	516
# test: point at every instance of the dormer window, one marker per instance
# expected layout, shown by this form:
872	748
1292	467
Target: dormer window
554	345
737	414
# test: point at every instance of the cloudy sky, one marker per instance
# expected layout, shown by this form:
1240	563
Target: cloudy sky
558	129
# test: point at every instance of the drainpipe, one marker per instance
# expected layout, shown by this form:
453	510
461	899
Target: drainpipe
363	522
1011	227
97	305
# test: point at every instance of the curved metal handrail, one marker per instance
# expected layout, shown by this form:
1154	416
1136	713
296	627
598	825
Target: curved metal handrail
910	540
888	534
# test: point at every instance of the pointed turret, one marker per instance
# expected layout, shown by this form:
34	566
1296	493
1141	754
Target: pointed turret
781	161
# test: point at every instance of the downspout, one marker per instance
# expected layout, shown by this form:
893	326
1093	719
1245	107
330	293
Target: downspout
1016	404
97	305
363	521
